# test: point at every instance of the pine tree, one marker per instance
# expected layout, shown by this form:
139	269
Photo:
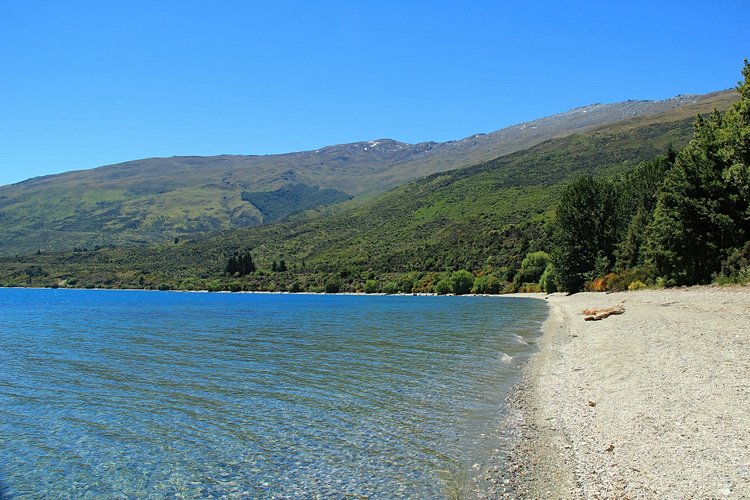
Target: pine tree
247	265
232	266
703	209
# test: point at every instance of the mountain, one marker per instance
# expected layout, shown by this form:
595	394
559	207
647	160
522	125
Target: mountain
159	199
485	218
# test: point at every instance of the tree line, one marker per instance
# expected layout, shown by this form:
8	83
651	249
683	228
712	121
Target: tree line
679	220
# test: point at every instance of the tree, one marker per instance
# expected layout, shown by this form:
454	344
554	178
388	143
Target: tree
371	286
547	281
332	285
532	267
703	209
639	190
247	265
232	266
487	283
442	287
585	231
241	264
461	281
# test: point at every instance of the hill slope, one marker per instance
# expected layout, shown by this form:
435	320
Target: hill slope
158	199
484	217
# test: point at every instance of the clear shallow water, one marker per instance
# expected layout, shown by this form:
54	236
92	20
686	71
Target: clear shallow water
152	394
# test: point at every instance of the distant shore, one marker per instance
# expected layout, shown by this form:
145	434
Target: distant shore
653	403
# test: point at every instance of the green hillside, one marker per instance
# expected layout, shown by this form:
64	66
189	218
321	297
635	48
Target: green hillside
483	218
158	199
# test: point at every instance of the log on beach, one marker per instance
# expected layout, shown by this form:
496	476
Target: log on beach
654	405
599	314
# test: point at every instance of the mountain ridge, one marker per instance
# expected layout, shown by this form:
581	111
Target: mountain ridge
158	199
485	218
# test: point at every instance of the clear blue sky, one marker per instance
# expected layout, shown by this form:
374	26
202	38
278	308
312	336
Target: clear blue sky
87	83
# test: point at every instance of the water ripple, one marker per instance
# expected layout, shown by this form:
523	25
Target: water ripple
161	394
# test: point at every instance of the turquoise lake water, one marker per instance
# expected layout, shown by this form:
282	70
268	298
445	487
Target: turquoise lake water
155	394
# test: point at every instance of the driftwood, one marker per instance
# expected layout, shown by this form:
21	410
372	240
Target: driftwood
597	314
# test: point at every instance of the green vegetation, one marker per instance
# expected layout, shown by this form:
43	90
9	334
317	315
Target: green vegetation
241	264
533	267
292	198
680	220
158	199
585	231
489	228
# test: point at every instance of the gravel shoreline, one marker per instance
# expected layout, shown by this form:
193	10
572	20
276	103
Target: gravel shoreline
653	403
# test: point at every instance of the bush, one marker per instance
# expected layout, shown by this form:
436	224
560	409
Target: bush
529	288
736	267
294	287
461	282
636	285
332	285
603	284
425	284
548	282
442	287
613	282
532	267
405	285
486	284
371	286
390	287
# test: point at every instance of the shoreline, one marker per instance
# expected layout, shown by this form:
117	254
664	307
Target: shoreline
653	403
535	295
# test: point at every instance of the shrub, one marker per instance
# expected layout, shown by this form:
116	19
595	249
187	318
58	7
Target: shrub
548	282
405	285
529	288
532	267
371	286
736	267
390	287
461	282
425	284
619	282
603	284
442	287
636	285
486	284
332	285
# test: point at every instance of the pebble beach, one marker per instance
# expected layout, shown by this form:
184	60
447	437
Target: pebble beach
651	403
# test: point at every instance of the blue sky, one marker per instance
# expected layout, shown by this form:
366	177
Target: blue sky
85	83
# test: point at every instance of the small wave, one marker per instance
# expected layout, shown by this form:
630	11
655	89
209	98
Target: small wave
4	491
506	358
520	340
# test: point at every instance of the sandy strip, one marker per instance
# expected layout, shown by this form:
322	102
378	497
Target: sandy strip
653	403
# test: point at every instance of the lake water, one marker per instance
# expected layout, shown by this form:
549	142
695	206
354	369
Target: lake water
155	394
